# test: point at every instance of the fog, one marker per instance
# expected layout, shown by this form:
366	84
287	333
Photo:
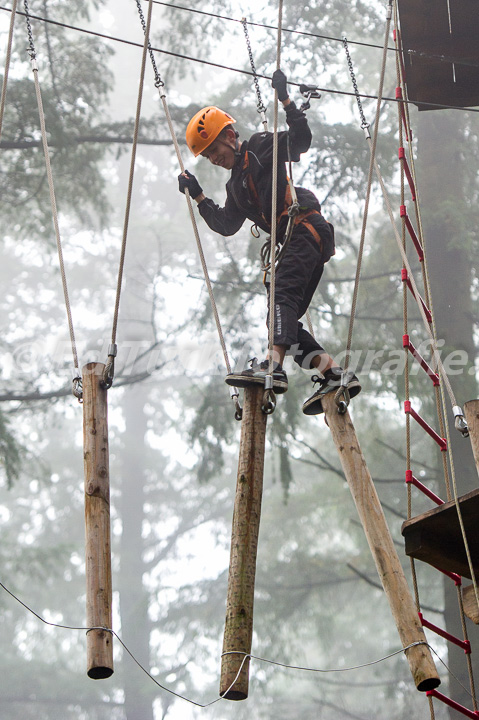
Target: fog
173	438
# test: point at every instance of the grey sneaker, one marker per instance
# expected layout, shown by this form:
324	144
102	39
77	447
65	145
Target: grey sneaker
256	375
330	382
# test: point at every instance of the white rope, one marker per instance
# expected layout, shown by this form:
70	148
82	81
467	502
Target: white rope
7	64
77	376
274	201
110	365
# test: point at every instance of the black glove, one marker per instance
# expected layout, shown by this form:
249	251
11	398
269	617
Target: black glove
279	84
188	181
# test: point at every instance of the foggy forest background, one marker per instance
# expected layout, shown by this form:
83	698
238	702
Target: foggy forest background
173	436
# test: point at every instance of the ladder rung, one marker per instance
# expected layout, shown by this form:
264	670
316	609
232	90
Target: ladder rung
406	343
464	644
412	232
454	576
442	442
405	278
402	156
420	486
452	703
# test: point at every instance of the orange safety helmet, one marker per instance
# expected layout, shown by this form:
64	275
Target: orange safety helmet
204	128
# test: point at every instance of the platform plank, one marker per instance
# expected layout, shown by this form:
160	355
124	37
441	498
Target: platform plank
441	52
435	537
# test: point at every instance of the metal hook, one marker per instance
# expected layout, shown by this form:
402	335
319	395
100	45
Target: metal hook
269	402
342	399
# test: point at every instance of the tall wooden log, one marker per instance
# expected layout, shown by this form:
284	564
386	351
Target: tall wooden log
244	542
97	523
471	608
382	547
471	412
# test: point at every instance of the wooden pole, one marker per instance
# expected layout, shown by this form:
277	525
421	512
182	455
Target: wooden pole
382	547
471	608
97	523
244	542
471	412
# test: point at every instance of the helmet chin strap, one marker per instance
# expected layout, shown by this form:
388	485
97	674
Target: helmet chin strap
237	145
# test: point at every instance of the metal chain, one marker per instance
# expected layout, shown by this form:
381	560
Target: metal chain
158	81
364	122
260	105
76	389
7	63
31	44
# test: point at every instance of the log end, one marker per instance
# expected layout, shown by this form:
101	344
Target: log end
100	673
234	695
430	683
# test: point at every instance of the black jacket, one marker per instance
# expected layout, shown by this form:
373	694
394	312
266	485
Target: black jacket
249	189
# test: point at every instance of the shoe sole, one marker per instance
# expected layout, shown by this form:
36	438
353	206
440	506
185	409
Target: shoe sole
314	406
240	381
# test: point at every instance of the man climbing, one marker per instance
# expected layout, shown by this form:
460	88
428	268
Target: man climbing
210	133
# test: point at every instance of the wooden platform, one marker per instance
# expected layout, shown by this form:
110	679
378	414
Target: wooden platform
441	51
435	536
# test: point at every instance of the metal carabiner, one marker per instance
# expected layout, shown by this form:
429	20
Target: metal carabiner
460	421
255	231
308	92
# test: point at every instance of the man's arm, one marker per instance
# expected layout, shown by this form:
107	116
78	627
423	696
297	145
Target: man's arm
225	220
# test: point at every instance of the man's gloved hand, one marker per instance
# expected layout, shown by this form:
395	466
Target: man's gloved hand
279	83
188	181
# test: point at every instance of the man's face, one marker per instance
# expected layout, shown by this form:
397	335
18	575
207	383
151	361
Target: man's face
221	152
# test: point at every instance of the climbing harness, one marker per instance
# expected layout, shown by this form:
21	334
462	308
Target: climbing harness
160	85
76	382
260	105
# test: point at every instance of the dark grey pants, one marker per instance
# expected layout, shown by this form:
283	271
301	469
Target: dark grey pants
297	277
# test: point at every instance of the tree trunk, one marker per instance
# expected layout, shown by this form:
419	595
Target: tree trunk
441	187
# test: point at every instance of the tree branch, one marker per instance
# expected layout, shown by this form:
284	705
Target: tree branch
82	139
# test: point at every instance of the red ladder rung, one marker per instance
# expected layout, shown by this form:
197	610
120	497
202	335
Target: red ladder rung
452	703
454	576
405	278
403	114
402	156
442	442
412	232
406	343
420	486
464	644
